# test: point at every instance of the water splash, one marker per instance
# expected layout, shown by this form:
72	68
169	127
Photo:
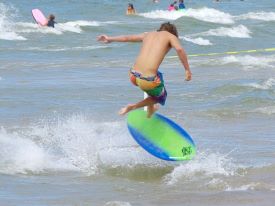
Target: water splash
6	24
239	31
203	166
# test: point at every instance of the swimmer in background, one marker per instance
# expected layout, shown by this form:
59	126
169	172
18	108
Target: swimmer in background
181	4
50	22
130	9
171	7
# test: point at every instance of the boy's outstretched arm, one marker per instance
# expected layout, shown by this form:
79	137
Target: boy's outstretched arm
125	38
175	43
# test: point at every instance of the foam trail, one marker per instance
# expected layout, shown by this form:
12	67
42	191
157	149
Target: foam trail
266	110
60	28
249	62
199	41
263	16
242	188
203	14
162	14
210	15
266	85
117	203
239	31
84	23
25	27
5	35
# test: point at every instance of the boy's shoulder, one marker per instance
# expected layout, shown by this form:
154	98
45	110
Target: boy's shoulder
166	34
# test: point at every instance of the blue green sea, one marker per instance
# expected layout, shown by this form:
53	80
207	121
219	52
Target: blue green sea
62	142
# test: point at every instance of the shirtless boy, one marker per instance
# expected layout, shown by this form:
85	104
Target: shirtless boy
144	73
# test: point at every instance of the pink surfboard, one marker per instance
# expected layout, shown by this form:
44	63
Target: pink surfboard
39	17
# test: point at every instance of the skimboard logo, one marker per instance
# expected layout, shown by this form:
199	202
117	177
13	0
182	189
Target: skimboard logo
186	151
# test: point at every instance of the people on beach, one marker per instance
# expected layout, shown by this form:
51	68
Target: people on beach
130	9
144	73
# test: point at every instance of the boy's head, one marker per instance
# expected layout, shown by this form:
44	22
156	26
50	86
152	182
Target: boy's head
171	28
51	17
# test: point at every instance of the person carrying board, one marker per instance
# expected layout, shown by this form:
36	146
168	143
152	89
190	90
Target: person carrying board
144	73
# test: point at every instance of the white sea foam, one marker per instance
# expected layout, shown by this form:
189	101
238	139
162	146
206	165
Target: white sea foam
117	203
263	16
239	31
210	15
6	32
83	23
202	166
266	85
199	41
242	188
11	36
249	62
163	14
202	14
21	155
76	143
60	28
25	27
266	110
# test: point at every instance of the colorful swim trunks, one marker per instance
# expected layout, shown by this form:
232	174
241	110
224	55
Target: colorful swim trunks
153	86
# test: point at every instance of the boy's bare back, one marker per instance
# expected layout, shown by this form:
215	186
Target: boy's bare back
153	50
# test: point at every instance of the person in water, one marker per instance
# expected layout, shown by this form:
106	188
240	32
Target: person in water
181	4
144	73
130	9
50	22
173	6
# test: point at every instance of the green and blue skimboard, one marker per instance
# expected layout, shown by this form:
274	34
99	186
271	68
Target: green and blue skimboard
161	136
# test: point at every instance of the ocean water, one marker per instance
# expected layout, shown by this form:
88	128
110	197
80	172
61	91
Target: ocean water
62	142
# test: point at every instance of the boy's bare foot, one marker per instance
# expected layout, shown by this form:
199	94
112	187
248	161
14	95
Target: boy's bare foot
126	109
151	110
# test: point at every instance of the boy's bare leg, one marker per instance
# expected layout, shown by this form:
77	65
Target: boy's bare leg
149	101
151	109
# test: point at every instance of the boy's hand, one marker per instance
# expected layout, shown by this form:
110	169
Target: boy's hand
103	38
188	75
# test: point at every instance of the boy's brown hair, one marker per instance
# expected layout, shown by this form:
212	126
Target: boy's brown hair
51	17
171	28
